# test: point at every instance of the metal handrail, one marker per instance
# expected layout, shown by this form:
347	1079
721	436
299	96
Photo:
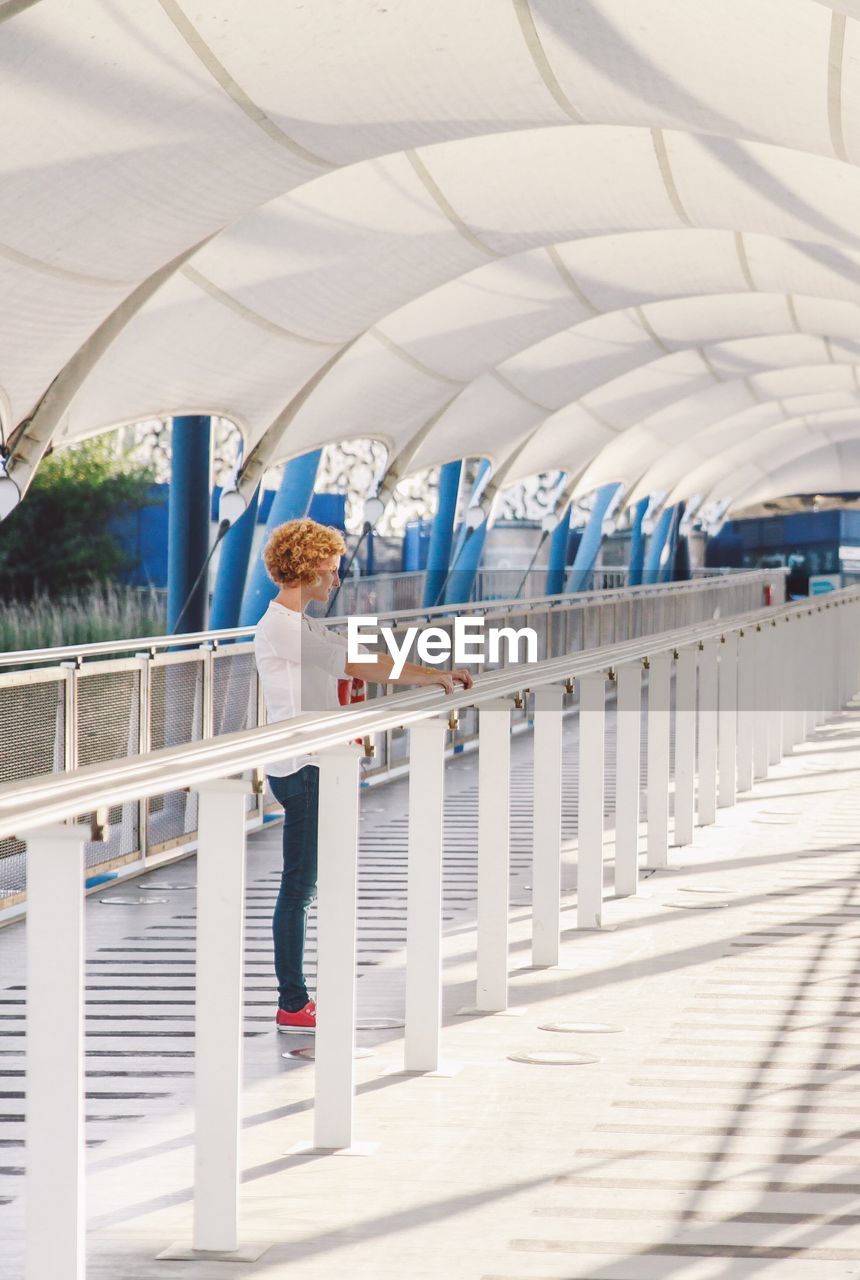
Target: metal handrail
28	805
152	644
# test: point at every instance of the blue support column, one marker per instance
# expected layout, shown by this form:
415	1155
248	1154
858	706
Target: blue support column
468	547
667	559
465	567
291	503
586	553
233	569
441	535
656	546
558	555
188	523
637	544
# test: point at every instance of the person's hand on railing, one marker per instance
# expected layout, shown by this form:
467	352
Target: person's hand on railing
447	680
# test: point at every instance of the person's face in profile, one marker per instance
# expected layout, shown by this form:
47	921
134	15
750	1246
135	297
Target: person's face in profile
329	579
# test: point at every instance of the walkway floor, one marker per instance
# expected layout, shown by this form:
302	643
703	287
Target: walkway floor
715	1133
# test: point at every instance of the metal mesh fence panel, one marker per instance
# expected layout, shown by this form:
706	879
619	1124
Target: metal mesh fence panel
234	698
32	741
108	728
176	718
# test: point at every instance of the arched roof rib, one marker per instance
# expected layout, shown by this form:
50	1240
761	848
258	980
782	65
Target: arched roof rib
475	136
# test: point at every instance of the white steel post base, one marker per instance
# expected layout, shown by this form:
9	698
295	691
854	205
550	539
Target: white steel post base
658	760
494	787
219	1013
54	1241
628	716
546	853
685	744
337	890
424	896
589	873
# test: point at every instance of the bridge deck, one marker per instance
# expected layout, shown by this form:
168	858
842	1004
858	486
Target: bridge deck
716	1135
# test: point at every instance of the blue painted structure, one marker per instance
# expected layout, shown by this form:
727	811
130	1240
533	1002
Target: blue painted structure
188	523
233	569
416	545
468	546
637	543
442	532
558	555
586	552
292	501
656	545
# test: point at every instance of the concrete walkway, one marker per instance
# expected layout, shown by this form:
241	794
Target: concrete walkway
715	1133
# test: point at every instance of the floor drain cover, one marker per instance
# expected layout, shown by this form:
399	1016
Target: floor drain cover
308	1053
774	821
378	1024
585	1028
151	884
692	904
131	902
553	1058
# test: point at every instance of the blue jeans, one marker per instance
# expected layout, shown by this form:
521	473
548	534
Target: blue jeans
299	794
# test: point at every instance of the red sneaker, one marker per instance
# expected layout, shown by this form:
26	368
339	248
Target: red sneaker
299	1020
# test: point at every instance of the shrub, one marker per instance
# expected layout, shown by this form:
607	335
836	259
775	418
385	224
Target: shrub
58	541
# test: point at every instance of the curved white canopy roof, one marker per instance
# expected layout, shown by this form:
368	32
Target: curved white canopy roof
613	237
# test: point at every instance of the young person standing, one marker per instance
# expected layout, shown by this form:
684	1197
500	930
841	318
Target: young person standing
300	662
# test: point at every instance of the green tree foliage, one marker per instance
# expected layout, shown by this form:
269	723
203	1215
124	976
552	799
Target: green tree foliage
59	539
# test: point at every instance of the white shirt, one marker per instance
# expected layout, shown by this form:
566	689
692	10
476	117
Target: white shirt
300	662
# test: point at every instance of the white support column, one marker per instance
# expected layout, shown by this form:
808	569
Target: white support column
219	1013
494	790
746	708
761	700
658	760
776	689
337	888
546	853
728	721
424	895
708	710
685	743
589	865
628	723
54	1063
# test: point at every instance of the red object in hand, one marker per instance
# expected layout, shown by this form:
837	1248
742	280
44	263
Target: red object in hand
350	690
768	593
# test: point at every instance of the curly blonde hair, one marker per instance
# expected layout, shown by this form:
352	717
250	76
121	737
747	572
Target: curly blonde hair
295	549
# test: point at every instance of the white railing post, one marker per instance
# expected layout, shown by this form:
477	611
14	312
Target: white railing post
628	727
761	699
424	895
746	707
788	631
658	759
55	1224
728	721
494	788
589	864
337	892
219	1013
708	709
810	669
685	743
546	825
776	685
